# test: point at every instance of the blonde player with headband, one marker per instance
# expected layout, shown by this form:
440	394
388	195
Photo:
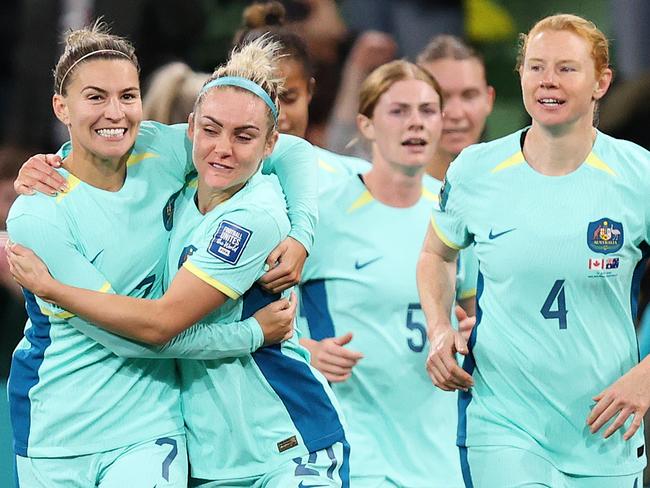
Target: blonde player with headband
85	410
265	419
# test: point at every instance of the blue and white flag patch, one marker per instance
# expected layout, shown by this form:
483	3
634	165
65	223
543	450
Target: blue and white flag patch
229	241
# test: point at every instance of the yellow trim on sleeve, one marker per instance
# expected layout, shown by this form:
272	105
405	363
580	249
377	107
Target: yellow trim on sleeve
138	158
364	199
203	276
513	160
596	162
467	294
72	181
327	167
429	195
65	314
442	236
59	315
105	287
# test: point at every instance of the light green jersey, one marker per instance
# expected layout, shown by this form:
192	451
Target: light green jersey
360	278
559	261
69	395
245	415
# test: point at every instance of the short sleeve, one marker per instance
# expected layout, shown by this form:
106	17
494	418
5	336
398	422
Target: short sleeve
232	251
467	275
448	219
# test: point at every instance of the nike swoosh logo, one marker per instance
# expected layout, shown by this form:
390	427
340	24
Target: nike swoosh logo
303	485
92	261
358	265
494	236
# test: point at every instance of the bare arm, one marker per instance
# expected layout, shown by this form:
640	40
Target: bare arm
436	275
187	300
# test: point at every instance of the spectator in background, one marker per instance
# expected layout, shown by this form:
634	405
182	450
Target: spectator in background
371	50
468	97
410	22
171	93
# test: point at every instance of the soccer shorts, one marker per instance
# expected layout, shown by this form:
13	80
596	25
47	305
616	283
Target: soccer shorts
327	468
161	463
512	467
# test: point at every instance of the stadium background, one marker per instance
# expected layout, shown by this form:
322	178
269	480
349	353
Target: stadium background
199	33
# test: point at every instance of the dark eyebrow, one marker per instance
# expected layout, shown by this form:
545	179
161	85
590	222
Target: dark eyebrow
101	90
243	127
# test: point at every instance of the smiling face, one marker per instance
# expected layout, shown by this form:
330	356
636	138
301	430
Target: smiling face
231	135
102	108
468	101
559	82
406	124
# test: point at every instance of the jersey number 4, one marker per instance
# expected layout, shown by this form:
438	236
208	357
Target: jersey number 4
560	313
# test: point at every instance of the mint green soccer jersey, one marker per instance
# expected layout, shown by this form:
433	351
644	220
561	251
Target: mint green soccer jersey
559	261
332	167
360	278
245	415
69	395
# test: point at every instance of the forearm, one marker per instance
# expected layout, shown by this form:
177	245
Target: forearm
436	279
148	321
203	341
299	180
215	341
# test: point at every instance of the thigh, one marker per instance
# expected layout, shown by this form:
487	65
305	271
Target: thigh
71	472
627	481
325	468
161	463
506	467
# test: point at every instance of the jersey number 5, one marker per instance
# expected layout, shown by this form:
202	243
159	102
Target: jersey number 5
556	293
418	344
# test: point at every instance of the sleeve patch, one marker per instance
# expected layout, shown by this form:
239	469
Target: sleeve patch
229	241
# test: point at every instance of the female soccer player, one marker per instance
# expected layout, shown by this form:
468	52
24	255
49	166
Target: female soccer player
260	419
558	213
82	415
297	69
359	279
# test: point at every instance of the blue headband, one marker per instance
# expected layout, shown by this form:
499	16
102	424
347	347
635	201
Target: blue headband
246	84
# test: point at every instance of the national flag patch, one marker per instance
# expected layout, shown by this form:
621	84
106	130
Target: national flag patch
604	264
229	242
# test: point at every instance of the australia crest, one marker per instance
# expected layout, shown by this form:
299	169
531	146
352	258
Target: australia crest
605	236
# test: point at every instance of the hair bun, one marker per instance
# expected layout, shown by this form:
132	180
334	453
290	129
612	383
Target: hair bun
264	14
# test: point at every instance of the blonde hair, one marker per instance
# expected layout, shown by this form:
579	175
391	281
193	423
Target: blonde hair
86	44
255	61
172	90
381	79
577	25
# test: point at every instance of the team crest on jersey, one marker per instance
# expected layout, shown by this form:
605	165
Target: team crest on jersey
444	193
229	242
168	211
605	236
